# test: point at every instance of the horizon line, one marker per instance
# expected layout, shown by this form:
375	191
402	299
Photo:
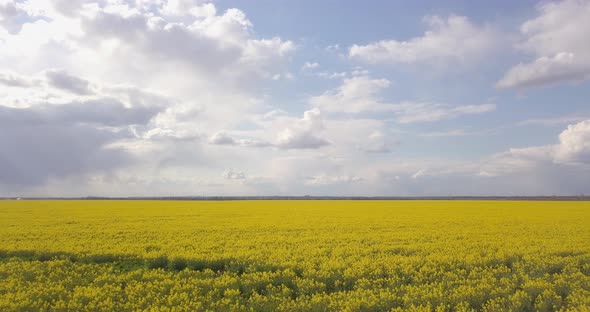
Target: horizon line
304	197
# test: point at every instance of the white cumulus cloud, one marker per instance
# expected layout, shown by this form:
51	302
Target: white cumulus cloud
454	39
557	40
574	144
304	133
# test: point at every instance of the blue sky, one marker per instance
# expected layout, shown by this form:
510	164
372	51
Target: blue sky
189	97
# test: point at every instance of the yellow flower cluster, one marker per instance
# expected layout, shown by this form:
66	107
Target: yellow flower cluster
294	256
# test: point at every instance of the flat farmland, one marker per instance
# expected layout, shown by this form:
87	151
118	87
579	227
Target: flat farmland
294	255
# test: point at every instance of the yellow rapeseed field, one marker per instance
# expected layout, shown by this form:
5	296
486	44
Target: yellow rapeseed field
294	256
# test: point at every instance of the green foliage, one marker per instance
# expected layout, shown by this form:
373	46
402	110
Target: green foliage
160	262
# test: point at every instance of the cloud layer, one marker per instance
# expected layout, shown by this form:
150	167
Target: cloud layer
361	94
186	97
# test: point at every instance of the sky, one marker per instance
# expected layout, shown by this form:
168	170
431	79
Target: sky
276	97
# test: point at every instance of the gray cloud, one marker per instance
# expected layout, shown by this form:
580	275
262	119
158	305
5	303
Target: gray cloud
37	148
302	140
101	112
107	112
69	7
54	141
13	16
14	80
62	80
221	138
233	174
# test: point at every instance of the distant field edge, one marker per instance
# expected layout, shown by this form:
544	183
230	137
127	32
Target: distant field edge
233	198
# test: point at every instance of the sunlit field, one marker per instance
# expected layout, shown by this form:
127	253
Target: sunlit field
294	255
